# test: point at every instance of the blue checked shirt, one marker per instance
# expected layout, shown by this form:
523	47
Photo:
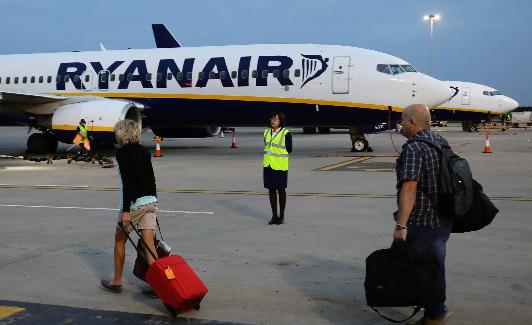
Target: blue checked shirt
420	162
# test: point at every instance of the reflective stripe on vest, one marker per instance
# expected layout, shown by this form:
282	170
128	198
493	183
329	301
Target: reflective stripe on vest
83	131
275	154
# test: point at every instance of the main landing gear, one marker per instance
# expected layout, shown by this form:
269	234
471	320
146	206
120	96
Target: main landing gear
469	126
359	143
40	143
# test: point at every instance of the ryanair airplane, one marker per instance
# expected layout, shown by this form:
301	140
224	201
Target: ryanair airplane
192	91
472	103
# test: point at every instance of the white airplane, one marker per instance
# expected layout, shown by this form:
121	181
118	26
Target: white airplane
472	103
191	91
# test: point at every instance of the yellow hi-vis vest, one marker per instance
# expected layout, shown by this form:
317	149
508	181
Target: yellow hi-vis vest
83	131
275	154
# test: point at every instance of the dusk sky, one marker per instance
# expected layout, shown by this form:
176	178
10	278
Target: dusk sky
487	42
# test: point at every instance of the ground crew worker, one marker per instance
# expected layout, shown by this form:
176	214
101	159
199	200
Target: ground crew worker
277	146
82	137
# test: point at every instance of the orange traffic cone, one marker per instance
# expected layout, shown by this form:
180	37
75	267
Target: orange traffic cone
157	147
233	142
487	148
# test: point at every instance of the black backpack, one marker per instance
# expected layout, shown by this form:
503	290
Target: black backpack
460	198
455	183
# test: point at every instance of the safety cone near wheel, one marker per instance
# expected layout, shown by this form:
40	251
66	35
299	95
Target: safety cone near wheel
487	148
157	153
233	141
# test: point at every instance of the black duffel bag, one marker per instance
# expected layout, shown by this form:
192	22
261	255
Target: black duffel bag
397	277
479	216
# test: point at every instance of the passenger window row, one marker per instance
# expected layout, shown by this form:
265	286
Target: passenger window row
395	69
24	80
244	74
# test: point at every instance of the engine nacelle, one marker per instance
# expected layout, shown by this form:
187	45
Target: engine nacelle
100	115
187	132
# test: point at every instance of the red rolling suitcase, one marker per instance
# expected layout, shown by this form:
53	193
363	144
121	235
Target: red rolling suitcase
176	284
174	281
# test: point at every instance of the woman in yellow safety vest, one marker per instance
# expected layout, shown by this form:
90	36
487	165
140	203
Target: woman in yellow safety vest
82	137
277	146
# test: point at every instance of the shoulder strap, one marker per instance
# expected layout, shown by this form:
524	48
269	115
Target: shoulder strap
439	148
432	143
416	310
159	227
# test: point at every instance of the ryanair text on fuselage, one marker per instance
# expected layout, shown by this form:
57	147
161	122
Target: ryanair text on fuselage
215	68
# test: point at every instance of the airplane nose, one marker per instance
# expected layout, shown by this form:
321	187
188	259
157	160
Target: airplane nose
436	92
508	104
512	104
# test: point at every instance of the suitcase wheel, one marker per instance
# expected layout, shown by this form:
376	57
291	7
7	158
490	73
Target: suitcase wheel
197	307
171	310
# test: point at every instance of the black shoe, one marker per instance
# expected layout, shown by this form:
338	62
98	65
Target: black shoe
280	221
150	293
273	221
116	288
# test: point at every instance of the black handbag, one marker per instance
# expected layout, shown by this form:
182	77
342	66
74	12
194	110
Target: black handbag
140	268
397	277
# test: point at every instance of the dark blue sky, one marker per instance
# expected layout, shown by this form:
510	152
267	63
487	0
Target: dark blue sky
488	42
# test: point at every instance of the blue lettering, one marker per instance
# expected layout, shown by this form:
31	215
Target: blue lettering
221	66
103	83
76	70
170	65
243	71
263	64
130	75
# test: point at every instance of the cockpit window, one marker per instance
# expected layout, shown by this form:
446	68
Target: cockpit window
396	69
384	68
408	68
491	93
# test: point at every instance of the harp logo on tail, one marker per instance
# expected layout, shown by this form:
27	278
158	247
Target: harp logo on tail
312	66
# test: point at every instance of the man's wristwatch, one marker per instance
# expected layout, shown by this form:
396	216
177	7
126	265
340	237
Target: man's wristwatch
400	226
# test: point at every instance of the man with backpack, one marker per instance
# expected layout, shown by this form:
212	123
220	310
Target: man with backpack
418	223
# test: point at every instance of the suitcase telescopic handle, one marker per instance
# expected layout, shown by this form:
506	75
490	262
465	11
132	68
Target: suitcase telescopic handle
136	247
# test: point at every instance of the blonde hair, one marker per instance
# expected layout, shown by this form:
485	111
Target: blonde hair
127	131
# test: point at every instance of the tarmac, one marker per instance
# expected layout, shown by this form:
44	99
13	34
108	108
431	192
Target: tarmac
56	238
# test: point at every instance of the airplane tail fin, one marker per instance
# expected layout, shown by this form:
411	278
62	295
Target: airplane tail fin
163	37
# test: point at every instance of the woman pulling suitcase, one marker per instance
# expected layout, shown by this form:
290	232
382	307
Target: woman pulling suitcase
138	205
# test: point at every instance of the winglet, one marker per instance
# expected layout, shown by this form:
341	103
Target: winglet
163	37
102	47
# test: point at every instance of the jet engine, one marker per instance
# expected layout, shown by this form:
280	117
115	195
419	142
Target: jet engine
100	115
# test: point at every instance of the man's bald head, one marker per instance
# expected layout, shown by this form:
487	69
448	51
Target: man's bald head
419	113
415	118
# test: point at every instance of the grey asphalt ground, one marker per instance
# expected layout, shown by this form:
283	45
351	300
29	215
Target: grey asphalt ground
308	271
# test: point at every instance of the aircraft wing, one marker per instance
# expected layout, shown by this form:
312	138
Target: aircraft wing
9	98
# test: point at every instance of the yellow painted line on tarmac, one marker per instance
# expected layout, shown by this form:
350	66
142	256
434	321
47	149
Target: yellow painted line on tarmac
343	164
8	311
243	193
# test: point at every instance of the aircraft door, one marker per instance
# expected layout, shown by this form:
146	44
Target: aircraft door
340	77
103	80
87	80
466	98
